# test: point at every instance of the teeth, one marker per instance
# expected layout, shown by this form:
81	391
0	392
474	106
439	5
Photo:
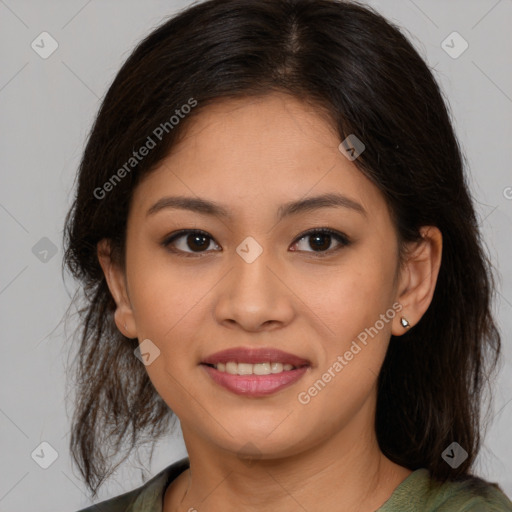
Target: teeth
234	368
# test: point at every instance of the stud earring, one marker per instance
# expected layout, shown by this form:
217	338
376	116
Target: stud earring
405	323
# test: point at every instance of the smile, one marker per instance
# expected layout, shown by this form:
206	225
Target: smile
234	368
254	372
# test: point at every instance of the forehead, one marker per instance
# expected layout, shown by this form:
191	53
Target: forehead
258	151
267	125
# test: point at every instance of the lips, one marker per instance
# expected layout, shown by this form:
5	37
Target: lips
255	386
286	370
254	356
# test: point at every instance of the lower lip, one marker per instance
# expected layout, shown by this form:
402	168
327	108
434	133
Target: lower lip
255	385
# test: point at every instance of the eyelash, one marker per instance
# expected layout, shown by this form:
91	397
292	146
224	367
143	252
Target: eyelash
341	238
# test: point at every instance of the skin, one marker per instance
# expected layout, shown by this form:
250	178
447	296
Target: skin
252	156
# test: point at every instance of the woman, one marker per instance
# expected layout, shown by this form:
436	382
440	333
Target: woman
277	246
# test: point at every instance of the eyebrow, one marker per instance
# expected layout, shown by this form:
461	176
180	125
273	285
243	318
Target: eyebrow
204	206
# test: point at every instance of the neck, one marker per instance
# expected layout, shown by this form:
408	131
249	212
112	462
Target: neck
346	472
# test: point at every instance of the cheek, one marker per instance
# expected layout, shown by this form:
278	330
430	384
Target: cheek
353	314
166	306
164	294
169	309
350	297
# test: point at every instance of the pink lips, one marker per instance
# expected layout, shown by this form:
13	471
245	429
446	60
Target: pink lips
255	385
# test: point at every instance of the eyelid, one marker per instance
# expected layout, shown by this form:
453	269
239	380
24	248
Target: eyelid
169	239
340	237
330	231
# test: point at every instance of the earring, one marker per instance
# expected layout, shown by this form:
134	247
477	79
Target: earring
405	323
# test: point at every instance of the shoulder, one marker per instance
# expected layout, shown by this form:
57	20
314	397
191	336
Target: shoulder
419	492
148	496
473	495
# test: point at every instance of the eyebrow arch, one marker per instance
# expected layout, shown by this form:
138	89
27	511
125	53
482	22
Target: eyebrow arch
204	206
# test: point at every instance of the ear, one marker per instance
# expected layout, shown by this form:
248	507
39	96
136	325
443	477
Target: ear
418	277
116	281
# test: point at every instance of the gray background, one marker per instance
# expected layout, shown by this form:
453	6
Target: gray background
47	107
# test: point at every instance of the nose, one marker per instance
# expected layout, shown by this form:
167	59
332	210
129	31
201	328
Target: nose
254	296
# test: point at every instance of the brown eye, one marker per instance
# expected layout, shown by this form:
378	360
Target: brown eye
189	241
320	240
197	242
194	242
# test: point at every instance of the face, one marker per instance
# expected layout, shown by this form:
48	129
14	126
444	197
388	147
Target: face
262	274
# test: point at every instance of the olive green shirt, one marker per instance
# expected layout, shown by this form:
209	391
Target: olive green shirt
417	493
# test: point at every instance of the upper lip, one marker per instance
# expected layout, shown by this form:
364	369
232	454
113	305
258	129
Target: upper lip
255	355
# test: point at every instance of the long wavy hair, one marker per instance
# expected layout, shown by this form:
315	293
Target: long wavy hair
365	76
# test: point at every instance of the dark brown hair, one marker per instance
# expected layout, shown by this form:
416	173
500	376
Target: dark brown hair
354	65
